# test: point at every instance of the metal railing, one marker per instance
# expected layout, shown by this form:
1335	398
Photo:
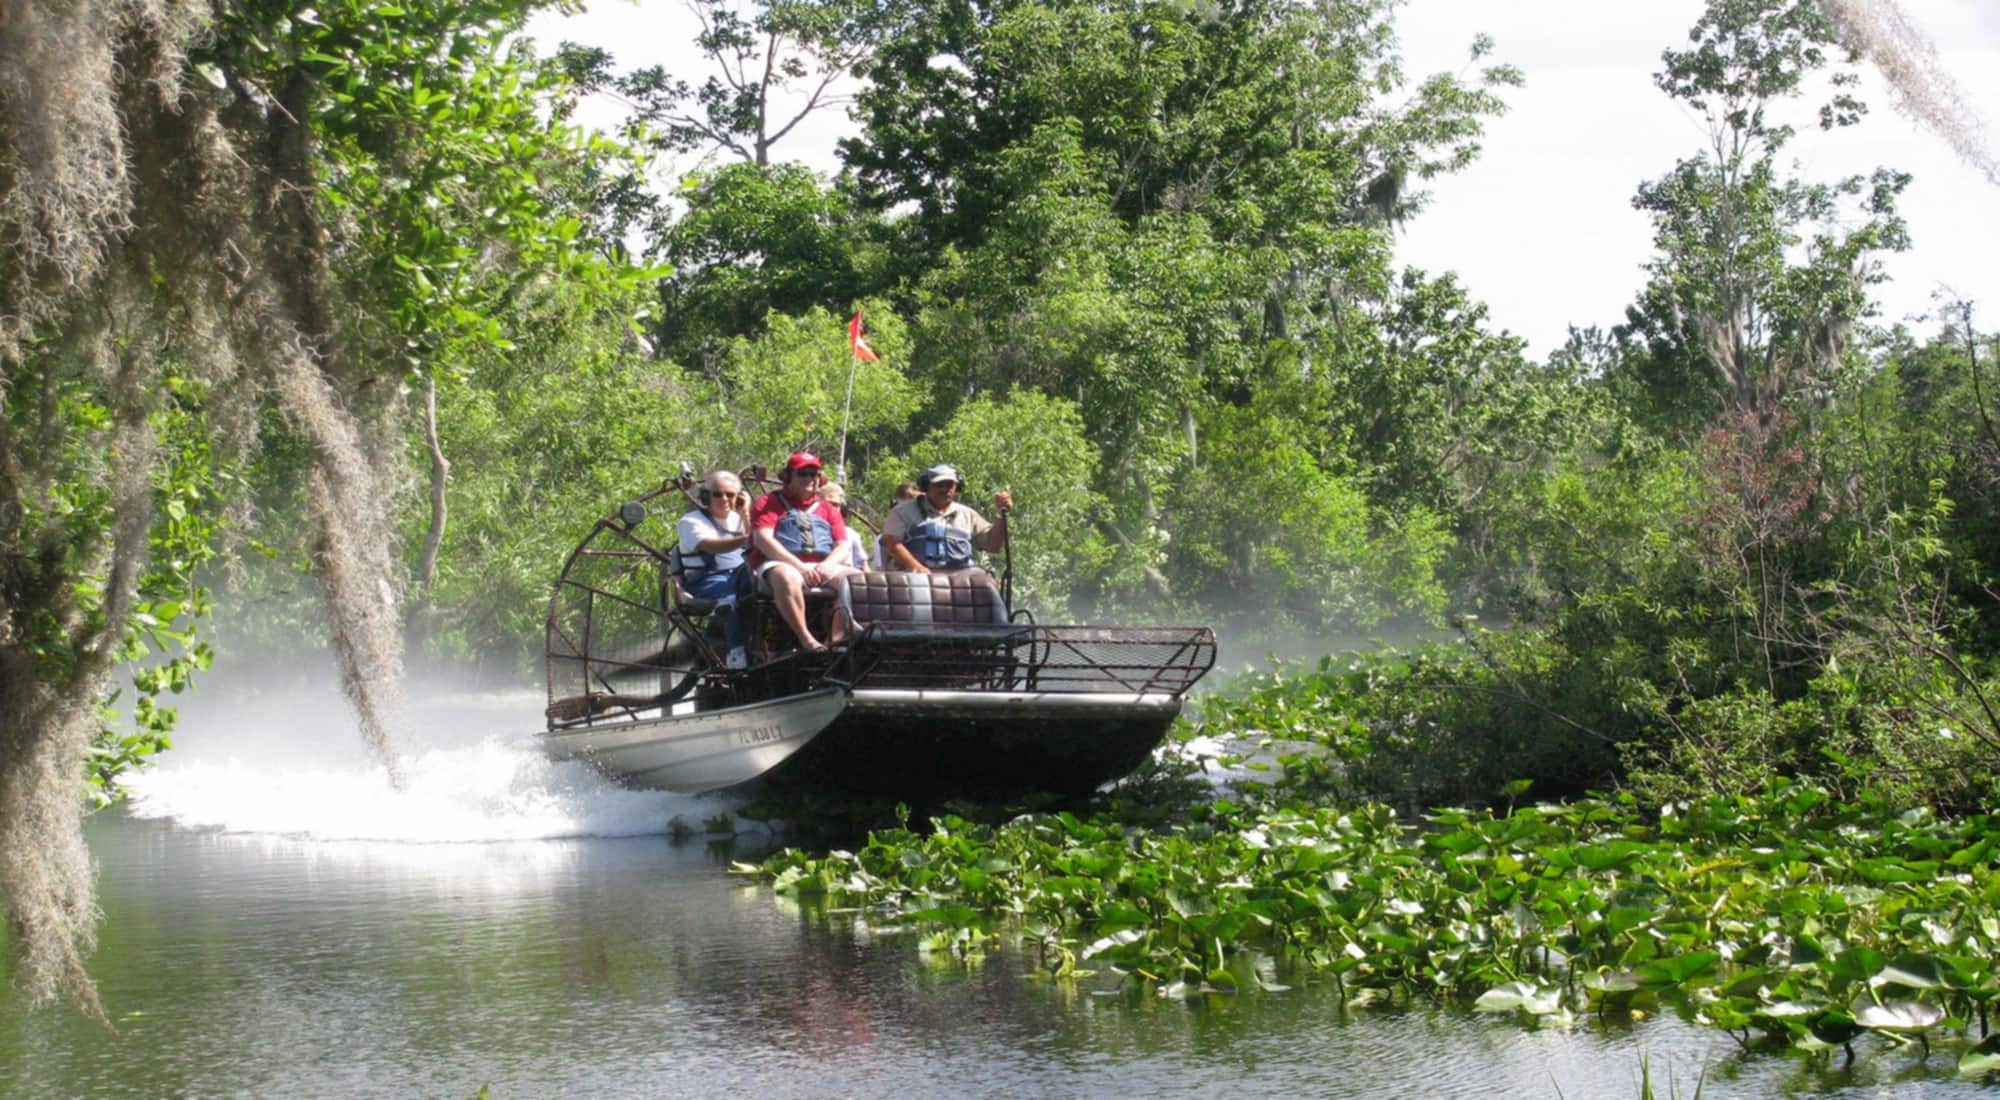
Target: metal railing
1018	657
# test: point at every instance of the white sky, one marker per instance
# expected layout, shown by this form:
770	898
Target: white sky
1542	228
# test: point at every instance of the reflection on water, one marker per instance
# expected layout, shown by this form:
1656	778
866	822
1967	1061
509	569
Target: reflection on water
277	923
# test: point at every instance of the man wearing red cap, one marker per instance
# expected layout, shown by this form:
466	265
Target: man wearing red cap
792	533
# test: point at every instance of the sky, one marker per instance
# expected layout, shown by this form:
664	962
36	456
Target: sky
1541	228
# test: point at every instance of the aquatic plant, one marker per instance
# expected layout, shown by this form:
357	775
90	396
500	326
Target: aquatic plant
1791	917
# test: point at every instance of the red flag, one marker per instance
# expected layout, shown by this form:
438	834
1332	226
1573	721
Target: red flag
861	348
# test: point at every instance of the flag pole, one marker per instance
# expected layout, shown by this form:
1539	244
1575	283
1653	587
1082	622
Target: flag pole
858	350
847	409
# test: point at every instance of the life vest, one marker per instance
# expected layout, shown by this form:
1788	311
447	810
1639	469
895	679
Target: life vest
804	534
938	544
698	563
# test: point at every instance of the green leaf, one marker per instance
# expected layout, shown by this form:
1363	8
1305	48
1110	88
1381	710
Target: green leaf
1913	972
1535	1000
1981	1059
1677	969
1900	1017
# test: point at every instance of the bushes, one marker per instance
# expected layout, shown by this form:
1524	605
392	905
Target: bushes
1446	723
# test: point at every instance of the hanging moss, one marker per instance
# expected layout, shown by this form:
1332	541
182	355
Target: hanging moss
141	226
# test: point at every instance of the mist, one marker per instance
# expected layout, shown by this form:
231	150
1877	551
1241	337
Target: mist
271	746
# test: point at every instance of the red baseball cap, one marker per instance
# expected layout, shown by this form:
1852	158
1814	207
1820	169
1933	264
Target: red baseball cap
803	460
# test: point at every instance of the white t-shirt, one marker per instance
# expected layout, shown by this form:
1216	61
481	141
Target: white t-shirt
854	557
696	526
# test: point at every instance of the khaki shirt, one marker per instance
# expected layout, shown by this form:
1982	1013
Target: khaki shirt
912	512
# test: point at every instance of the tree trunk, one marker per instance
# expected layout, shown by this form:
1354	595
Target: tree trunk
440	470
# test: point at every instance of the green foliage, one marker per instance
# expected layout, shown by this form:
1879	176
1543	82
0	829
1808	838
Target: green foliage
544	439
1800	915
1435	724
755	240
57	516
1032	445
786	389
160	647
1279	544
443	169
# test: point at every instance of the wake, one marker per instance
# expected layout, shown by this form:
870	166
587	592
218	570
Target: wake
292	765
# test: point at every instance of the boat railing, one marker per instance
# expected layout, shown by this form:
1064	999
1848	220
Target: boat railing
1021	657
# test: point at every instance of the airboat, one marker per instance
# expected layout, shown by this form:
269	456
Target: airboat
939	688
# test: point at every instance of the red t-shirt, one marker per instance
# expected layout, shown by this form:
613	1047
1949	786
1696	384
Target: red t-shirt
773	506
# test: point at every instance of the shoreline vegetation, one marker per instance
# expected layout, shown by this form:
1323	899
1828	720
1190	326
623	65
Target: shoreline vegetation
1809	915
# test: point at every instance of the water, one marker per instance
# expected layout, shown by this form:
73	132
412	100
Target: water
277	923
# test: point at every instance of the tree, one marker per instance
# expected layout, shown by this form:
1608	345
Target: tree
1265	116
763	52
786	388
228	210
547	435
1732	307
755	239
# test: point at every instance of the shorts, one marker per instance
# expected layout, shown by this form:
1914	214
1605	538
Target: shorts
764	585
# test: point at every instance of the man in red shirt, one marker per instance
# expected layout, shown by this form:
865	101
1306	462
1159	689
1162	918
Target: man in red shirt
792	533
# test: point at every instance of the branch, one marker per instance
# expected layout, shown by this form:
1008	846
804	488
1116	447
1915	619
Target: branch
812	104
1972	363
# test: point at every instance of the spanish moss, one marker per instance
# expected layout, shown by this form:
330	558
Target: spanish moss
1918	82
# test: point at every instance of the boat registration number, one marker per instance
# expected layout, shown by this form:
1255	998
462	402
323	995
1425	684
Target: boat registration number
758	735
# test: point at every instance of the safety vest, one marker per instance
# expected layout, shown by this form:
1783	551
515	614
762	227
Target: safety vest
804	534
698	563
938	544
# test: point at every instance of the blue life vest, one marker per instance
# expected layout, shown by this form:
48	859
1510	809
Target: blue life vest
805	535
698	563
938	544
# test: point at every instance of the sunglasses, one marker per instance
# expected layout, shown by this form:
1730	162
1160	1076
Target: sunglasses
729	495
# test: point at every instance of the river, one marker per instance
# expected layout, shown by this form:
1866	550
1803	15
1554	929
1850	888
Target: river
278	923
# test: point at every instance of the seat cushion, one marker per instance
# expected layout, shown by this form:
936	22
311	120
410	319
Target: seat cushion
968	597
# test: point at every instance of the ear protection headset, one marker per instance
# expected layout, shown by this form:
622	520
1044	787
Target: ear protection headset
707	490
924	483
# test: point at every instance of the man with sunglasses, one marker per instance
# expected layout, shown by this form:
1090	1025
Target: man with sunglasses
936	533
793	533
713	538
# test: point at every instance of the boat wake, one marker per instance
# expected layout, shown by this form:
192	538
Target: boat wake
294	768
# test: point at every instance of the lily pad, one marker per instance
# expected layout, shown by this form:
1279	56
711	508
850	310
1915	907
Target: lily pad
1115	939
1833	1027
1900	1017
1913	972
1535	1000
1981	1059
1677	969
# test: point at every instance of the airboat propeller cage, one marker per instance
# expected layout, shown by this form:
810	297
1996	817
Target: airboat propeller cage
940	690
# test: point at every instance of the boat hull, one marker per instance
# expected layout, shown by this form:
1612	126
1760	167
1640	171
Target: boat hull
932	746
703	751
